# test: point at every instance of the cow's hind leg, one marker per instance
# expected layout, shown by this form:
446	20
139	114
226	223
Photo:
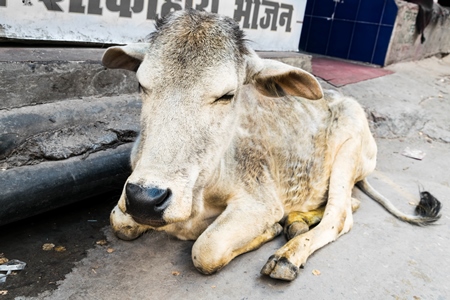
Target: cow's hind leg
337	219
355	204
300	222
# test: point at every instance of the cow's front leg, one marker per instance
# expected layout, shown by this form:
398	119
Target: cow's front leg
337	220
285	263
244	226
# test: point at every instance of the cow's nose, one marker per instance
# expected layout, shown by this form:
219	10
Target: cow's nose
147	204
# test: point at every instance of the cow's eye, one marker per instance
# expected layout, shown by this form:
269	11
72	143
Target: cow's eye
225	98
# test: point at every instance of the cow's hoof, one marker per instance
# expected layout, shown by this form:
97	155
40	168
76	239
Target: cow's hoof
280	269
124	227
294	229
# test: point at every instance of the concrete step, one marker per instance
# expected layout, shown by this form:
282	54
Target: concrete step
32	76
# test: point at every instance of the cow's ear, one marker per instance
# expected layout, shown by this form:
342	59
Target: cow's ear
276	79
127	57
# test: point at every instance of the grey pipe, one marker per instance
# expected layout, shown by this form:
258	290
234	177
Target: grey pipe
28	191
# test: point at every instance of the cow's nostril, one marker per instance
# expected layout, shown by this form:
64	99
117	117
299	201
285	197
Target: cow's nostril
159	196
147	204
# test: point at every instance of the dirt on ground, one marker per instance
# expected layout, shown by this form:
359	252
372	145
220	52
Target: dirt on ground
66	234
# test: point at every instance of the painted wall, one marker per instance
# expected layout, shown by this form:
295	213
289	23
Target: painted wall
405	42
270	25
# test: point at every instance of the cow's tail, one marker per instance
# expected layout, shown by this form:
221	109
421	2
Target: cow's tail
427	211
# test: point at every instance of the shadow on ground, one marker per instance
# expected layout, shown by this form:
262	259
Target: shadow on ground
76	227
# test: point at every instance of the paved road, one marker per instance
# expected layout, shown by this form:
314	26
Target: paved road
381	258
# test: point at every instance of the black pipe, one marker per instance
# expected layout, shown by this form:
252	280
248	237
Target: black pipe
28	191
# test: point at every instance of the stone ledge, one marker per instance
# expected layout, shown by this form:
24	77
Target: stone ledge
56	131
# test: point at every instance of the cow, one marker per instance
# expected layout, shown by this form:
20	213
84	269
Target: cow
232	146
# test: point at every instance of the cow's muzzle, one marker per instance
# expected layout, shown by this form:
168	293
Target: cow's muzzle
146	205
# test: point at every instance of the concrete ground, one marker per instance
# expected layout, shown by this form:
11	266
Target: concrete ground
381	258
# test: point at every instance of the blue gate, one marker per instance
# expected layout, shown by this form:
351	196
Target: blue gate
351	29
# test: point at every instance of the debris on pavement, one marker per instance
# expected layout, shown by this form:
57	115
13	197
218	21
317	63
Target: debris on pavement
316	272
101	242
8	267
94	269
48	246
3	259
3	292
60	248
413	153
51	246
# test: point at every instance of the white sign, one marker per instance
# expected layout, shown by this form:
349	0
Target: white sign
270	25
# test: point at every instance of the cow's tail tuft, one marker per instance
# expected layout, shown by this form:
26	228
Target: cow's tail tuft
429	207
427	211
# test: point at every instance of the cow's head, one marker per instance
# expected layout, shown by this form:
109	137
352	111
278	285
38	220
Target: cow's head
191	72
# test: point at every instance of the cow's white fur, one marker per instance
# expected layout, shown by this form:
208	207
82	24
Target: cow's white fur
238	167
